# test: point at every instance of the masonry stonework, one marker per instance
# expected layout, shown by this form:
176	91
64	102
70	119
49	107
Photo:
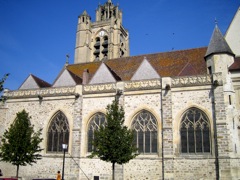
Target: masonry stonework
164	85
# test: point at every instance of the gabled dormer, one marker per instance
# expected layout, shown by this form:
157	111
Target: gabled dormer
66	78
145	71
104	75
33	82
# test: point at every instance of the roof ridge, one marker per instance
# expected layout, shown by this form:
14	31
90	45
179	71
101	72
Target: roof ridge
175	51
163	52
115	75
40	82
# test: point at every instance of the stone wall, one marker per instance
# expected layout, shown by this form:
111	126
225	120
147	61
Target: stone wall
41	113
167	105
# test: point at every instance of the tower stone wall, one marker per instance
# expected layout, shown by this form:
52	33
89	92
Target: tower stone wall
106	38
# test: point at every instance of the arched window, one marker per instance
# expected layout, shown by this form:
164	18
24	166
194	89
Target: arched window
195	132
105	47
96	121
145	127
97	48
58	133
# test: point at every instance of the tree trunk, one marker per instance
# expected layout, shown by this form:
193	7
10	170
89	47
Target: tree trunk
17	171
113	171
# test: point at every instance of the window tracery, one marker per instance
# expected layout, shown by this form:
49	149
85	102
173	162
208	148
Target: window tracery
145	128
96	121
195	132
58	133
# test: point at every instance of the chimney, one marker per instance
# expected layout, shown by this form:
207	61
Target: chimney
85	76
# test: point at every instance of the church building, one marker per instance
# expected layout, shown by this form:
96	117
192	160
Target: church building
183	106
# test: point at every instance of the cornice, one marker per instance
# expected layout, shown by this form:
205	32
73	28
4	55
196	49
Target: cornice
61	91
185	81
99	88
142	85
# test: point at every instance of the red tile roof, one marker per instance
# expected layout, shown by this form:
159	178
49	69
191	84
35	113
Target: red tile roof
79	68
168	64
41	83
236	65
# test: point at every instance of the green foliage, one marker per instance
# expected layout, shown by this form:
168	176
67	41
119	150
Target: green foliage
114	142
1	85
2	82
20	143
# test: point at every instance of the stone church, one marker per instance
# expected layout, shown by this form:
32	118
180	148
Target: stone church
182	105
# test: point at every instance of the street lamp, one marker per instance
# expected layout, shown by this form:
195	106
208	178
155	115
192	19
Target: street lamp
64	146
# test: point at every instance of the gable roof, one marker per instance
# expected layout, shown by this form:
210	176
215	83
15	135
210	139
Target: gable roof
235	18
145	71
78	69
168	64
33	82
232	33
41	83
66	78
103	75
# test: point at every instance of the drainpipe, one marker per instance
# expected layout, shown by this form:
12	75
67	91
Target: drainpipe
214	85
162	131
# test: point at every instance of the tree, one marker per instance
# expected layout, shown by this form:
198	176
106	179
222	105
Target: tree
20	143
114	141
1	85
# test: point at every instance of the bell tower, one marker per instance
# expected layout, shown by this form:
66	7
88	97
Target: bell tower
106	38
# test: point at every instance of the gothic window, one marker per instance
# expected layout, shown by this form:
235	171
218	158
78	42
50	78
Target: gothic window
121	53
97	48
105	46
102	14
114	13
145	128
96	121
110	14
58	133
195	132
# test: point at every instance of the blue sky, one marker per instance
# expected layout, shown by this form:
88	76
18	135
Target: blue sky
36	35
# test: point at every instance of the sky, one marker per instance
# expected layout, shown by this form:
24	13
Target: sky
36	35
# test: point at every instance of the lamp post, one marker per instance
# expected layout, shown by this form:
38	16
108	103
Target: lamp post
64	146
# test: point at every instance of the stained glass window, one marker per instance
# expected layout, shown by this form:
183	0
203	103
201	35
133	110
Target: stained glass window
96	121
145	128
195	132
58	133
